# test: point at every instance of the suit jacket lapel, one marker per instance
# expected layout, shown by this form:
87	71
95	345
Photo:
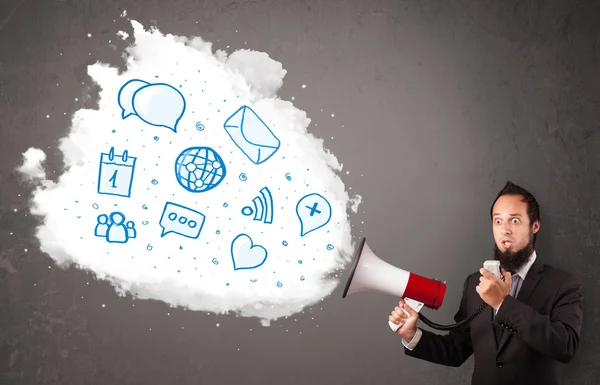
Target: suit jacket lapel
527	287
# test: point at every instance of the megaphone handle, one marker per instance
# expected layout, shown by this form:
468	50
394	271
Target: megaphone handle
395	327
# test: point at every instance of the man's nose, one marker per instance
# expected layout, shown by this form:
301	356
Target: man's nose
506	231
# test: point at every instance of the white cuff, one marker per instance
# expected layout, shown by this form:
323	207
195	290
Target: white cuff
411	345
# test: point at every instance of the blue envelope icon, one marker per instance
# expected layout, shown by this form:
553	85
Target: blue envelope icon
251	135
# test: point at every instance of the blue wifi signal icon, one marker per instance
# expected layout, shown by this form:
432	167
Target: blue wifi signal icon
263	207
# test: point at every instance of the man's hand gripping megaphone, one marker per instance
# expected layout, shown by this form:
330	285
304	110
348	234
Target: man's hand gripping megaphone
404	317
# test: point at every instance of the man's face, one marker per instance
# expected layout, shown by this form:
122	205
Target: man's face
513	234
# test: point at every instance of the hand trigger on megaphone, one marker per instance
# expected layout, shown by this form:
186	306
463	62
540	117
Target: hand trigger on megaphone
394	326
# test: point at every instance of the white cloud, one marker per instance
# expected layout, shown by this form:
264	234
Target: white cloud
195	273
32	165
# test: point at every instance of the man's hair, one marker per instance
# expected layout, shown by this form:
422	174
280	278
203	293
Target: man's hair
533	209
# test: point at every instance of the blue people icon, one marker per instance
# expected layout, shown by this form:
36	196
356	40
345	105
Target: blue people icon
114	228
131	232
117	232
314	212
102	226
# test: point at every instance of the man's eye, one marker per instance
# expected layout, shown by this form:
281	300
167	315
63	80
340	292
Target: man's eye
515	220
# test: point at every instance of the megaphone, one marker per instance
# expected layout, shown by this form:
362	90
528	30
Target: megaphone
370	273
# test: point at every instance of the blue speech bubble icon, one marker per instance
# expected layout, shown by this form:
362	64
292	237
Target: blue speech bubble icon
125	97
314	212
181	220
157	104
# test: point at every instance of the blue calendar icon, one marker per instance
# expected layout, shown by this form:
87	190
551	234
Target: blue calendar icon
116	174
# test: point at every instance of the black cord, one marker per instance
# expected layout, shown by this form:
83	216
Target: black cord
456	325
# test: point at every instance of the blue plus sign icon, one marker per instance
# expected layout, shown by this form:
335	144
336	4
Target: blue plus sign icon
314	212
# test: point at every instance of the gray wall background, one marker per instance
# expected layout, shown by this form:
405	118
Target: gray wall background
441	103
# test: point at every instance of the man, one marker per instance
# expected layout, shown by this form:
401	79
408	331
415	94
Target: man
534	315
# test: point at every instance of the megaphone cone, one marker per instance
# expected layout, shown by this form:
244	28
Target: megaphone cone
369	273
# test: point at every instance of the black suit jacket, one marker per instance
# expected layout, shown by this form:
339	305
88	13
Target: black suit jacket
541	326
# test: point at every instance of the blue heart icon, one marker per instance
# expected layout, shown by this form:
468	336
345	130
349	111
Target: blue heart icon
245	254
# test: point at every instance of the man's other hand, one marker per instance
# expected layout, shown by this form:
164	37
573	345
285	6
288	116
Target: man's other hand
492	289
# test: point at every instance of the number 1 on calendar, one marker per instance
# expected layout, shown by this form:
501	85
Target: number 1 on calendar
113	179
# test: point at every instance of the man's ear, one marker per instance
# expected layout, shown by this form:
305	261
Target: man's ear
536	226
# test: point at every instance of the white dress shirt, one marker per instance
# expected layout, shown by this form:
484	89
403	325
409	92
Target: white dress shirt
522	273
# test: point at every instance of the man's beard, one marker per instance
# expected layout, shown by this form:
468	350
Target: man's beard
513	261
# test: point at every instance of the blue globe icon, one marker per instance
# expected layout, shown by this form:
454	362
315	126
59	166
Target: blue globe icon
199	169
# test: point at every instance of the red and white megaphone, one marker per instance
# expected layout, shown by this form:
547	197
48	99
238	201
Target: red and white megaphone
369	273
